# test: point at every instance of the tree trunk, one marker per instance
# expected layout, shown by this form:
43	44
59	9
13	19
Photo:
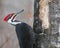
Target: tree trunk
41	24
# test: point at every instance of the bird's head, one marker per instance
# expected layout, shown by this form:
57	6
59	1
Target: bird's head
10	16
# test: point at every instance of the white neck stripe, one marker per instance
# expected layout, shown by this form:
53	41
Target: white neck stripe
12	22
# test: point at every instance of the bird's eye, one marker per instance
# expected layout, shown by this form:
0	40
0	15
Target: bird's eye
10	16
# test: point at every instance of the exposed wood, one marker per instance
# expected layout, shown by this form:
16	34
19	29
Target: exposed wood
44	13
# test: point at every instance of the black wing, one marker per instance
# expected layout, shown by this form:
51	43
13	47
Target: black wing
25	35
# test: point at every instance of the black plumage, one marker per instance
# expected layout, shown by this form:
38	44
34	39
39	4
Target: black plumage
25	35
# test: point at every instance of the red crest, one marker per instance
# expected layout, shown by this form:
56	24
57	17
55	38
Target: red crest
8	16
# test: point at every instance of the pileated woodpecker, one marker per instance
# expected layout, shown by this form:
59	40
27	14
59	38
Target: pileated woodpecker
24	31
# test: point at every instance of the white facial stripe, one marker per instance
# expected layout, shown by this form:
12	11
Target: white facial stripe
12	22
12	16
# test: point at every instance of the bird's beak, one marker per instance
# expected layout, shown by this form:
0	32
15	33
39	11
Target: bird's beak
15	14
19	12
